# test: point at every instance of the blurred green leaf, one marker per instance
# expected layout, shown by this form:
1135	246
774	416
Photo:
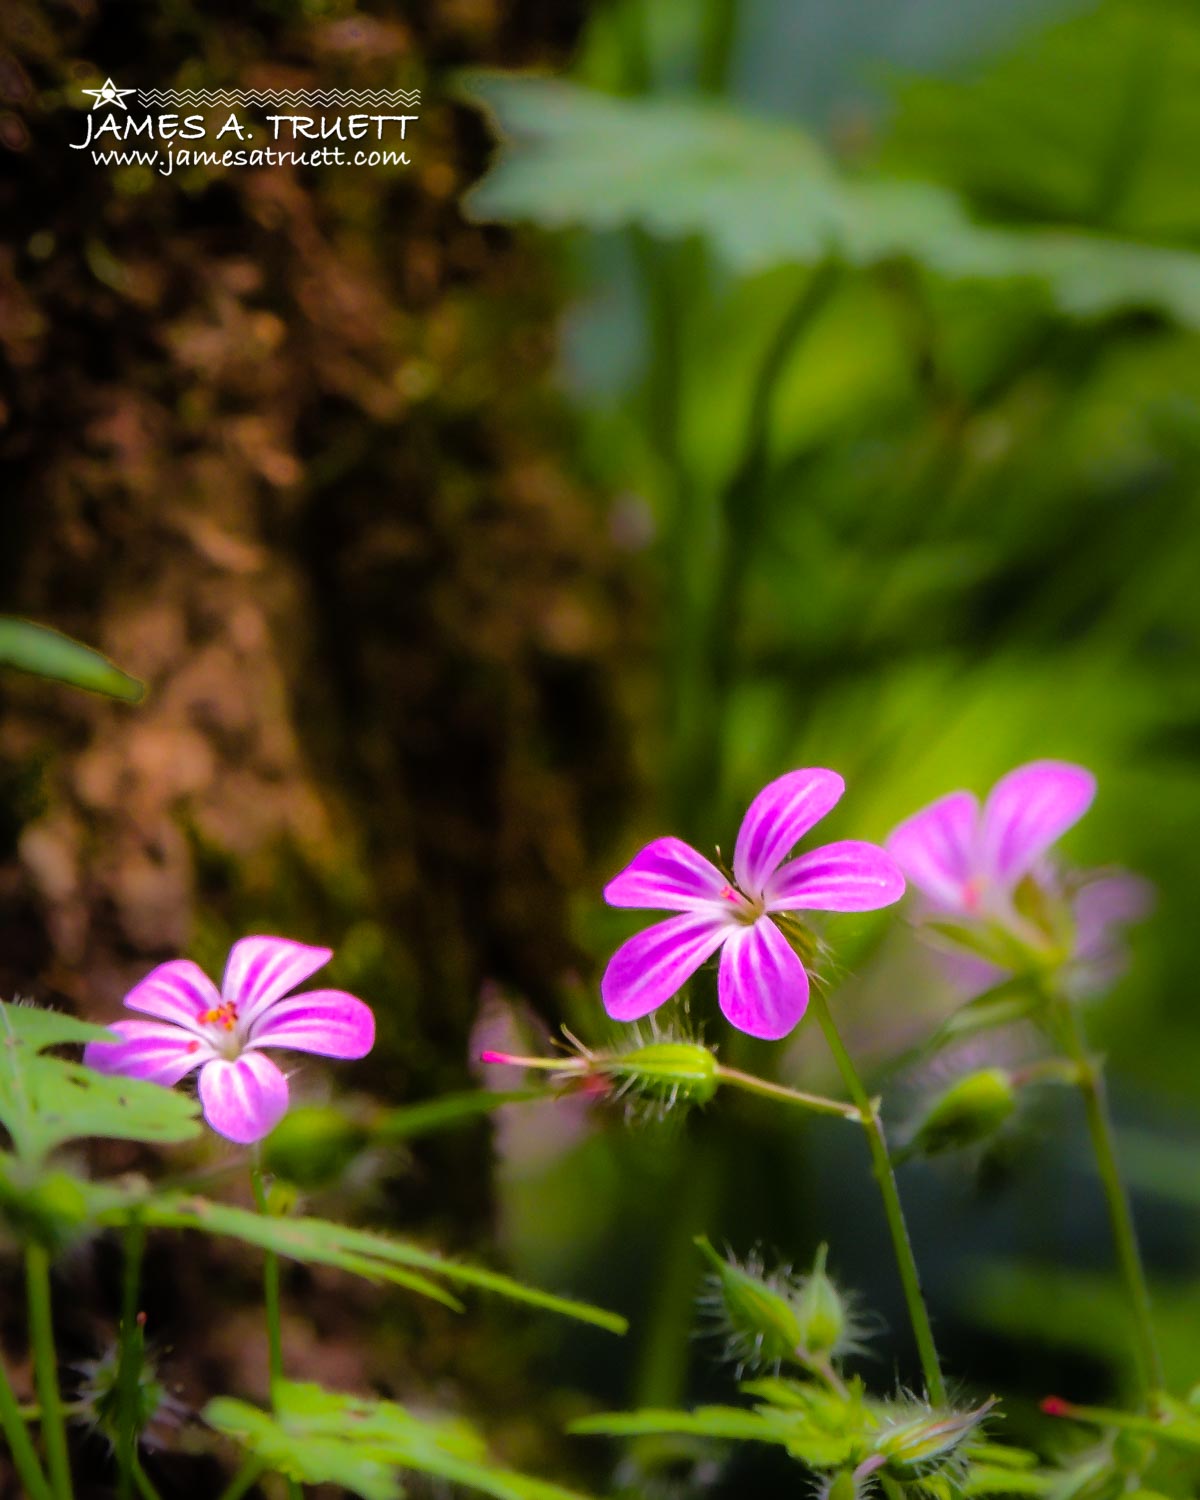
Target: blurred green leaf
358	1251
411	1120
764	194
316	1437
1069	1308
38	649
46	1101
706	1421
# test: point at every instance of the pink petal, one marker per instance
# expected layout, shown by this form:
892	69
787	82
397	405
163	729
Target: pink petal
325	1021
263	969
1028	810
937	848
847	876
151	1050
243	1100
762	985
1105	904
179	991
777	819
650	967
668	874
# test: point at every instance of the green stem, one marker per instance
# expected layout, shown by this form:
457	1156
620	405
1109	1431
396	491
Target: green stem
144	1487
1120	1214
245	1478
763	1087
29	1471
881	1164
271	1303
270	1286
45	1362
129	1363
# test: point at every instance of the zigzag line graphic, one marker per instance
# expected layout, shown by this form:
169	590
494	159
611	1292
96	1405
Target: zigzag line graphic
326	98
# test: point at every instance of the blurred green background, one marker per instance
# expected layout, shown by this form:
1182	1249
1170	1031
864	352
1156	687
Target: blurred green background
798	383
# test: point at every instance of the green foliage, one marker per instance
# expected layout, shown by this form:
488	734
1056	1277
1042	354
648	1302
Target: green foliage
765	194
360	1252
312	1146
315	1436
46	653
445	1112
47	1100
824	1426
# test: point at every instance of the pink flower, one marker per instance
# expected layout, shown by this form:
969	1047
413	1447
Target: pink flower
243	1094
994	867
762	985
969	864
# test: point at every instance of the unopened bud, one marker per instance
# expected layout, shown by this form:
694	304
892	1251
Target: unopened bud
971	1110
929	1439
759	1319
673	1072
820	1310
102	1400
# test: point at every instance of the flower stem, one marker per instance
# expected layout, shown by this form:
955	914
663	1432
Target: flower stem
45	1361
271	1302
144	1487
270	1285
881	1163
25	1461
778	1091
129	1363
248	1475
1120	1214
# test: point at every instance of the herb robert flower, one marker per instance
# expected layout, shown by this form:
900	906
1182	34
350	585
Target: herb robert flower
243	1094
762	984
993	868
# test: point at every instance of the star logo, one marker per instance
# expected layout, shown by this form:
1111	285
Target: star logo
109	93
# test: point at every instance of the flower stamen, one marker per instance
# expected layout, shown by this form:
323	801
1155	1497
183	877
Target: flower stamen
224	1015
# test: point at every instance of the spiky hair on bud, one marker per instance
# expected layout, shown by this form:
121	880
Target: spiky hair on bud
918	1440
656	1067
846	1484
768	1318
157	1412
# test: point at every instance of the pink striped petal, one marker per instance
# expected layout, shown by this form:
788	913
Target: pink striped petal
777	819
179	991
667	874
937	849
329	1022
152	1050
1028	810
762	985
1106	904
243	1100
847	876
650	967
263	969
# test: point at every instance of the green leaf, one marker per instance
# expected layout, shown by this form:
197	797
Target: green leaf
306	1459
445	1113
317	1436
764	194
46	653
999	1479
706	1421
820	1429
46	1100
361	1252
